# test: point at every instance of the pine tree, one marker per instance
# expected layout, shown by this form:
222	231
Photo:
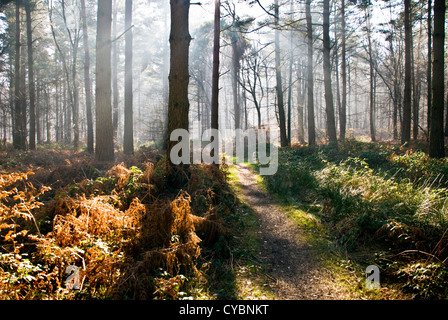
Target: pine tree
436	133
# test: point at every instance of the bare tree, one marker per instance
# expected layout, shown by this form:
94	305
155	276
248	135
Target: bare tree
251	81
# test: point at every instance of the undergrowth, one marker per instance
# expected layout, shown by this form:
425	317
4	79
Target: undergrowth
124	231
381	198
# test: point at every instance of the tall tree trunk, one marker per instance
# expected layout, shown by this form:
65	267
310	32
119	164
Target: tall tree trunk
115	90
331	126
104	150
310	80
343	111
278	73
165	72
178	104
416	86
31	83
87	81
436	134
429	64
19	130
128	140
396	89
446	115
24	119
215	79
291	58
372	113
337	75
215	76
300	98
407	102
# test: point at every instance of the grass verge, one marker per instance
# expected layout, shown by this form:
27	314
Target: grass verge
235	271
366	204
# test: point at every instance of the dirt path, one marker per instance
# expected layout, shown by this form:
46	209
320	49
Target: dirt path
289	260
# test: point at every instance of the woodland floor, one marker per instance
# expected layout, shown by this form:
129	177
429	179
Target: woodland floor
293	268
302	234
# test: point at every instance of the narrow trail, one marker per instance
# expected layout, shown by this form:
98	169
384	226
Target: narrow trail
289	260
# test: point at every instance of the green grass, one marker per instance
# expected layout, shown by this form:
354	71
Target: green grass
366	203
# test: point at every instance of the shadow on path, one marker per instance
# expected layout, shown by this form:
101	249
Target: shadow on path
289	259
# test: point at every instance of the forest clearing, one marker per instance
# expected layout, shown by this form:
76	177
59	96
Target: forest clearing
223	150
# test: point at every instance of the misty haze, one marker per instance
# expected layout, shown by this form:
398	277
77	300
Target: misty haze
223	150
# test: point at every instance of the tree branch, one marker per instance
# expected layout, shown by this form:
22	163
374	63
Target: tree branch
122	34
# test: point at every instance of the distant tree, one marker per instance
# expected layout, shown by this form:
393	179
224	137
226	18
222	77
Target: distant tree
343	111
372	107
87	81
128	140
251	79
19	122
31	80
331	125
236	33
201	72
366	7
301	92
291	62
73	33
310	80
104	147
278	72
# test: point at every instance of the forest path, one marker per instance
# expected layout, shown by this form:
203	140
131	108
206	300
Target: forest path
289	259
